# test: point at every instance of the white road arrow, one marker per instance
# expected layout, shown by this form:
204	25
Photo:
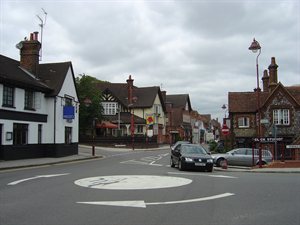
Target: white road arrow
36	177
143	204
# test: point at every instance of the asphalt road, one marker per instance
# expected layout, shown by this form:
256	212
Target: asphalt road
140	188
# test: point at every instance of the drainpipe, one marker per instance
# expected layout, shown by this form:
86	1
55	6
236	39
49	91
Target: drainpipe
54	127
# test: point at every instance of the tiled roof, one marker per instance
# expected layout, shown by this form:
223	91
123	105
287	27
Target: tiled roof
12	74
245	102
54	74
51	76
295	92
179	100
145	96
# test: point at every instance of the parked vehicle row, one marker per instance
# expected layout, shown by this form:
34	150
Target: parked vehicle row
194	156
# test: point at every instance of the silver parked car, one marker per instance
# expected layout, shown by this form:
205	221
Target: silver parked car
243	157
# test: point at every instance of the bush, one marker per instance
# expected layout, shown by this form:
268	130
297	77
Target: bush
212	146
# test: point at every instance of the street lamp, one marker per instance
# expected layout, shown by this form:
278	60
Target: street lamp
254	47
225	110
225	127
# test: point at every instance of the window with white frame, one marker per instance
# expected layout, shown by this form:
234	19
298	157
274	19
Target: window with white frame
110	108
29	99
8	96
243	122
281	116
157	109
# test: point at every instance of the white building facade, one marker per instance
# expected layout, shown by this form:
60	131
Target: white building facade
39	107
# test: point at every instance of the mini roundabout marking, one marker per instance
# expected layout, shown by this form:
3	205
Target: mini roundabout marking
132	182
139	182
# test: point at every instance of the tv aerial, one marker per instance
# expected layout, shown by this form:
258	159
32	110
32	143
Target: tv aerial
42	24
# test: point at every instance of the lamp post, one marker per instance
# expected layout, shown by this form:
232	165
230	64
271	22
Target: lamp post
132	125
225	126
93	133
254	47
224	107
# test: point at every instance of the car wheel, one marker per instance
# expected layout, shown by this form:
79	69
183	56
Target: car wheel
219	162
180	165
210	169
172	163
262	163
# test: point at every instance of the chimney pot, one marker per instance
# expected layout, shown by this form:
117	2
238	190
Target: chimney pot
35	35
30	54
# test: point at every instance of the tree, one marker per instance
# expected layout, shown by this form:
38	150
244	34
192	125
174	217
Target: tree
90	109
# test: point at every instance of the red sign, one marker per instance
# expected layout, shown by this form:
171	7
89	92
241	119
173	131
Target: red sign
225	129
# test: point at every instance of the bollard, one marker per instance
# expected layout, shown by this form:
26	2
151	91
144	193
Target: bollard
93	150
224	164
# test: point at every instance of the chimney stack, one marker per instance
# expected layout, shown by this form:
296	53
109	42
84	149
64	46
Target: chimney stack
273	80
265	80
130	89
164	95
29	52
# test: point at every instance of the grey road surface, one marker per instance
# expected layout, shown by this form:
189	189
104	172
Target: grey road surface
140	188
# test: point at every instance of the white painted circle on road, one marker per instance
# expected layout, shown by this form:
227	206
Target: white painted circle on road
132	182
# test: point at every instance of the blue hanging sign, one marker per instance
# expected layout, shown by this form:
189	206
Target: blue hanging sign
69	112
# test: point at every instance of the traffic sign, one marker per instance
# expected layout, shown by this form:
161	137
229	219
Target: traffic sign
225	129
293	146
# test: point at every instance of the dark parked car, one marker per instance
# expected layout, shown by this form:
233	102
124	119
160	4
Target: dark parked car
179	143
243	157
191	156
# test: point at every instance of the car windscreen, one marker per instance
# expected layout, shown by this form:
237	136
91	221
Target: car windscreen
191	149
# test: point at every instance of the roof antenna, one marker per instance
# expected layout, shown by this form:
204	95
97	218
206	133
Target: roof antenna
42	24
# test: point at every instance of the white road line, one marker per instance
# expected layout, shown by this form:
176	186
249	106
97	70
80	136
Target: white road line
143	204
205	175
36	177
149	160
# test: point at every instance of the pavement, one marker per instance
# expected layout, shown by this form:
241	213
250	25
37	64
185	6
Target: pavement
275	167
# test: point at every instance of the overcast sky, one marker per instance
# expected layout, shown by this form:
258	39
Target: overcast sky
197	47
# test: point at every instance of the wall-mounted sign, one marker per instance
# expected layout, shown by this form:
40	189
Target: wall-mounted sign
69	112
267	139
9	136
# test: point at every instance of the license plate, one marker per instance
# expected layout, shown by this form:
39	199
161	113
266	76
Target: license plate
200	164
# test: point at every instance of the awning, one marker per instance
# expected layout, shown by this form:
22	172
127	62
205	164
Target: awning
106	124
